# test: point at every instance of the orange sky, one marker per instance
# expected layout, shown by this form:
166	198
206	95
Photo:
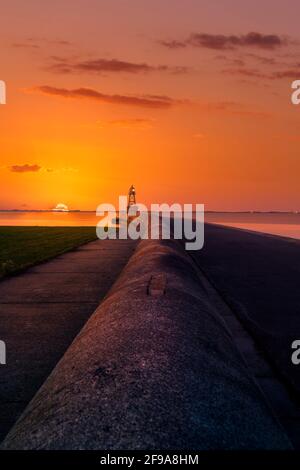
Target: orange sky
175	97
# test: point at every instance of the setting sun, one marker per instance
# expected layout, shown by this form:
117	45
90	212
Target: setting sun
61	208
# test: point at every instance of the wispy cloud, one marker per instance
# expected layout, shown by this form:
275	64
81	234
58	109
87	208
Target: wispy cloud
146	101
234	61
34	168
58	170
246	72
173	44
232	41
262	59
25	45
101	66
292	73
37	43
26	168
233	108
136	123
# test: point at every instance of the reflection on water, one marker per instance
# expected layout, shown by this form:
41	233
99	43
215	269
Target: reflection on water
285	224
288	230
51	219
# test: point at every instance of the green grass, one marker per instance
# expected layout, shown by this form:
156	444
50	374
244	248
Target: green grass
21	247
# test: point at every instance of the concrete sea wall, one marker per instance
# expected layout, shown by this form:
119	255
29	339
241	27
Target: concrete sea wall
154	368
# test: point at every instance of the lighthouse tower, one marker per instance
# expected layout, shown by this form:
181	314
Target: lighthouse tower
131	197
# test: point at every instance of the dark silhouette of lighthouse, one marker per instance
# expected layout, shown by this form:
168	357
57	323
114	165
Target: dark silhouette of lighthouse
131	197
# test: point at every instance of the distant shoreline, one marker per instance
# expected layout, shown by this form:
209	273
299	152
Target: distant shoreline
94	211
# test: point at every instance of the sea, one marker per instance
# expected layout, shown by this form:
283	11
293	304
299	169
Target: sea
285	224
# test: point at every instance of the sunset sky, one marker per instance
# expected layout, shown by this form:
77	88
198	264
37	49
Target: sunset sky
188	100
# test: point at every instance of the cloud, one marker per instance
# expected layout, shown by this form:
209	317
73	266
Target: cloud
34	168
234	61
37	43
100	66
59	42
26	168
173	44
246	72
252	113
224	42
136	123
25	45
58	170
146	101
220	106
250	64
263	60
233	108
293	74
55	41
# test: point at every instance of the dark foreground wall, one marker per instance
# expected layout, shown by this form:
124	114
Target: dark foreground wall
154	368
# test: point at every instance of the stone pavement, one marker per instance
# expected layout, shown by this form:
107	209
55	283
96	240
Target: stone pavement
257	279
42	310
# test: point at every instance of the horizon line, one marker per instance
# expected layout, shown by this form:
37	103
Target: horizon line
205	211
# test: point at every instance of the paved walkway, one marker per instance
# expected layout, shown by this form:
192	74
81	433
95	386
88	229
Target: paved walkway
258	276
43	309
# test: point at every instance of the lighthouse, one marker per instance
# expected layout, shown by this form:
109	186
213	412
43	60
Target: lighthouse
131	197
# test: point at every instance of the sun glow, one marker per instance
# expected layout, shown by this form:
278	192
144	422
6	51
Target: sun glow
61	208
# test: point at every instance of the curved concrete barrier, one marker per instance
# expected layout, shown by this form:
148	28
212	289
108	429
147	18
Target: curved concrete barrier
153	368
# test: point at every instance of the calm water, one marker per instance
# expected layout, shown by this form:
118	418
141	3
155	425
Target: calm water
285	224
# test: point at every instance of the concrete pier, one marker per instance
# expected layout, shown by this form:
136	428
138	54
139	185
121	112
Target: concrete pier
155	367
